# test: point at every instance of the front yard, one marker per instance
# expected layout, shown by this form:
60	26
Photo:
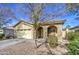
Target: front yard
27	47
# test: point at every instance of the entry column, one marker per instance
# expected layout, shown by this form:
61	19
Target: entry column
45	32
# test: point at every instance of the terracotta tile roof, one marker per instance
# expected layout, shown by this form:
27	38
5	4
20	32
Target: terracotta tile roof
22	21
53	22
48	22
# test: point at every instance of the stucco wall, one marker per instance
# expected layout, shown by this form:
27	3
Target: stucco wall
25	30
59	31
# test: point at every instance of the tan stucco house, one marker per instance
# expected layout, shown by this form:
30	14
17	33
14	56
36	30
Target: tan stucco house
74	29
24	29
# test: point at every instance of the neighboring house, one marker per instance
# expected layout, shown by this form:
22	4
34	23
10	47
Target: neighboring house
25	30
1	31
9	32
74	29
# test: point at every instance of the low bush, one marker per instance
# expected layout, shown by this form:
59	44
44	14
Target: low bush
1	36
70	35
53	41
73	46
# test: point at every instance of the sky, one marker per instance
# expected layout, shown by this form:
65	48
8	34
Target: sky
51	8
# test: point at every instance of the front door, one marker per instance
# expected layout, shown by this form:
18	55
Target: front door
40	32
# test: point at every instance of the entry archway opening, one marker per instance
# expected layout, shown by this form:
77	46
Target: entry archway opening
52	30
40	32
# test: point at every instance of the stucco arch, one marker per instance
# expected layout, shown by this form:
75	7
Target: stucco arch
40	32
51	30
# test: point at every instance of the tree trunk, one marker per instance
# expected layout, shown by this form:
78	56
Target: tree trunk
35	37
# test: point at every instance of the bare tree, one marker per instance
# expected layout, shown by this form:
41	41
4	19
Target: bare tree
74	9
35	12
5	16
72	6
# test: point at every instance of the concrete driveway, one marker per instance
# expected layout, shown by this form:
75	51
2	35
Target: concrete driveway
9	42
20	47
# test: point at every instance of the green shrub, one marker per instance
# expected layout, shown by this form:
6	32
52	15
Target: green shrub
76	34
53	41
1	36
70	35
73	46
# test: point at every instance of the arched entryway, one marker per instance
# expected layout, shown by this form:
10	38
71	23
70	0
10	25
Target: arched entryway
52	30
40	32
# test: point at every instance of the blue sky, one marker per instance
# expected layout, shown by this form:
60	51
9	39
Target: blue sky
51	8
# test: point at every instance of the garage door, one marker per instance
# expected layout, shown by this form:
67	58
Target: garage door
25	33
